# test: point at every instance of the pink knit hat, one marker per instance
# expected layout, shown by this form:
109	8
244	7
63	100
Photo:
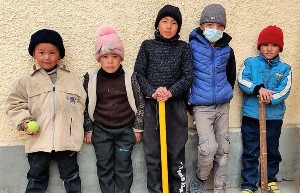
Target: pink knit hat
108	41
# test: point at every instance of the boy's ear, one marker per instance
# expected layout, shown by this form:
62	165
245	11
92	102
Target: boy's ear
201	27
33	55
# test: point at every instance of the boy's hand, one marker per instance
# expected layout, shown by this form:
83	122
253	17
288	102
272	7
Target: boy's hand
24	127
265	95
88	137
138	136
162	94
160	91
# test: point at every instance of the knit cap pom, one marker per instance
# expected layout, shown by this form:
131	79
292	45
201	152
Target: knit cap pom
106	30
108	40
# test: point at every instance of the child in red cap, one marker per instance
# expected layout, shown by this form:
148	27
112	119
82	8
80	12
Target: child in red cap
267	77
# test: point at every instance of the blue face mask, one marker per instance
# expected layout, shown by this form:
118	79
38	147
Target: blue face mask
212	35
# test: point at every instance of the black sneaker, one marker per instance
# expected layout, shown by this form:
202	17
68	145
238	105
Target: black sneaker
196	185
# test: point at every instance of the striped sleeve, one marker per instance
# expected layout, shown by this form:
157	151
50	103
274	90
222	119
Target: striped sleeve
244	79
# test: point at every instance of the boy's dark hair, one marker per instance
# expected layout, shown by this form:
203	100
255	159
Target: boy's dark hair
47	36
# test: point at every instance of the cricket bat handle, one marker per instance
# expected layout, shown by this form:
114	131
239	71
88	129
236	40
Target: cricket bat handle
299	183
263	147
163	146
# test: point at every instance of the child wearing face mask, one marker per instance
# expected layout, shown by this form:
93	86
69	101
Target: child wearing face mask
211	92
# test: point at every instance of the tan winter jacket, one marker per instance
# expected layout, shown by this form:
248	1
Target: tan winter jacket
58	108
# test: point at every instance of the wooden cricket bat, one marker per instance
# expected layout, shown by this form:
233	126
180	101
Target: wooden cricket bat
163	146
299	183
263	147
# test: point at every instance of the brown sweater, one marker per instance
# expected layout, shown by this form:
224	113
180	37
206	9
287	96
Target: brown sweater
112	109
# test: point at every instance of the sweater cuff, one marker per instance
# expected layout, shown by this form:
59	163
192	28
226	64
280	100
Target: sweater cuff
138	125
257	88
88	127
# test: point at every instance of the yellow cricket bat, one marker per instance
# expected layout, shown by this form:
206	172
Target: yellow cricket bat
163	146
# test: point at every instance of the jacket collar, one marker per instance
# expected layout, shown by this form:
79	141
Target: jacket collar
272	62
160	38
197	33
37	67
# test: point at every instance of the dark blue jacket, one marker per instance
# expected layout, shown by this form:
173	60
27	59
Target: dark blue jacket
211	83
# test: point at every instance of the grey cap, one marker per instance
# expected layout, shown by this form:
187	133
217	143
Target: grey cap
213	13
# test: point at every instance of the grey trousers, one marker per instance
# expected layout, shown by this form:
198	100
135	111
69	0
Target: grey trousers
212	123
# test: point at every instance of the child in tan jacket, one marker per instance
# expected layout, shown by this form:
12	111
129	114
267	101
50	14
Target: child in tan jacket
53	97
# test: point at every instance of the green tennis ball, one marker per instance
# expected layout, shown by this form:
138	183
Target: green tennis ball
33	127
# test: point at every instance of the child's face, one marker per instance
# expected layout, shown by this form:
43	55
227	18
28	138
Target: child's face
46	55
167	27
269	50
215	26
110	62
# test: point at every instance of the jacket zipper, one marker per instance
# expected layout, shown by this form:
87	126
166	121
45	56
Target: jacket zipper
213	76
53	116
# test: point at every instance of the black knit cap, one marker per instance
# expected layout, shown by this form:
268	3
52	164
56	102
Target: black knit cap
47	36
172	11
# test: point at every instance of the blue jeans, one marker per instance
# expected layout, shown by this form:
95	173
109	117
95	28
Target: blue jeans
38	174
251	152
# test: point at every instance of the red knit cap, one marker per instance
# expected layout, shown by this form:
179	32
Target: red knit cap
271	34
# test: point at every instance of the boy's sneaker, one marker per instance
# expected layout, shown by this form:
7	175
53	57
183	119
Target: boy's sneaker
196	185
273	188
246	191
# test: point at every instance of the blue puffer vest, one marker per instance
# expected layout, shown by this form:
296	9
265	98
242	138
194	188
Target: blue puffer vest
210	84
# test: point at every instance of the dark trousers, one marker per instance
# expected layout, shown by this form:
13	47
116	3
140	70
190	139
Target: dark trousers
251	152
38	174
177	135
113	148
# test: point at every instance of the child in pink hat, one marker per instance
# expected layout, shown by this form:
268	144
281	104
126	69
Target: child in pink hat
112	121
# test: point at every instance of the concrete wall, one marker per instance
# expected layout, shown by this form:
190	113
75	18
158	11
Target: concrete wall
14	166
